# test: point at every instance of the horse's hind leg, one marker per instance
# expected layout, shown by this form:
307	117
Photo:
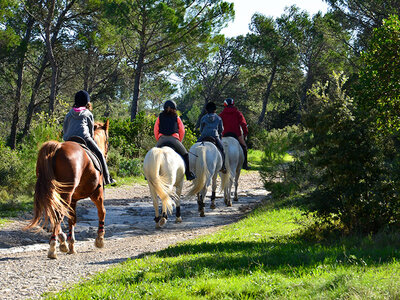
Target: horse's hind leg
213	190
236	198
179	188
71	225
98	199
157	217
53	240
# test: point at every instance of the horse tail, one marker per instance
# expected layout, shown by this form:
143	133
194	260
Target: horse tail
157	182
47	200
226	177
202	172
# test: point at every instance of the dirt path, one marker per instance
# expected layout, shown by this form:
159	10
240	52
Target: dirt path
26	272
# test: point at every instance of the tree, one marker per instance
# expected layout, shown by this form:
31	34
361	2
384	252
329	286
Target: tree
155	32
379	83
269	48
211	74
362	16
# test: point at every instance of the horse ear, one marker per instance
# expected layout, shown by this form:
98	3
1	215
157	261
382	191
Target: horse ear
95	126
106	125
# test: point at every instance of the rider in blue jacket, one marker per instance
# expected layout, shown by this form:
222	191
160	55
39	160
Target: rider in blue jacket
211	126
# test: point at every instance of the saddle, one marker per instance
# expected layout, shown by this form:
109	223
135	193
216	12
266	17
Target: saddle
93	157
168	144
211	139
231	134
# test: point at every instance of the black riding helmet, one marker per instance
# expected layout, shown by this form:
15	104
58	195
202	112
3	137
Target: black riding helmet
170	103
211	107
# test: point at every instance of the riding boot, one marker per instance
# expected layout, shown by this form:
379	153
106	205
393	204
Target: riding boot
223	168
245	165
188	173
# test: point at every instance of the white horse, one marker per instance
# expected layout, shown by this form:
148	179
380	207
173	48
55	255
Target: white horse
164	169
234	158
206	162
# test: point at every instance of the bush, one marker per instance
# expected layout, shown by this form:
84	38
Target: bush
352	168
275	162
135	138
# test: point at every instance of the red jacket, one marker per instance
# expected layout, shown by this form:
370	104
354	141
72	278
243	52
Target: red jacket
178	135
233	120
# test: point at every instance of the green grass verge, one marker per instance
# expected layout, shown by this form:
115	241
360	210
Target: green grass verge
263	256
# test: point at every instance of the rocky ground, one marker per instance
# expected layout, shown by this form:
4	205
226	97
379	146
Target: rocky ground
26	272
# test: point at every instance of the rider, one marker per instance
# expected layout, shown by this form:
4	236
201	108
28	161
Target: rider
169	129
234	122
211	126
80	122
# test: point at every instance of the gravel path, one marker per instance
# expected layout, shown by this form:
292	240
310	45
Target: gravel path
26	272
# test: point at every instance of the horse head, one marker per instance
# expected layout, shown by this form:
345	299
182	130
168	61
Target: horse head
101	136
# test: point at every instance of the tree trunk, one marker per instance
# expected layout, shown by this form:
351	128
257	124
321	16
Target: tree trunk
307	86
266	95
136	86
50	53
18	92
35	90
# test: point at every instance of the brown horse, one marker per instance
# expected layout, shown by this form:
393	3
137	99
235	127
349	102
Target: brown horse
65	174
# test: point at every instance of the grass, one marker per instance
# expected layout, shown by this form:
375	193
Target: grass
265	255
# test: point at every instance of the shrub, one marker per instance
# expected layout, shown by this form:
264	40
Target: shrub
275	162
352	167
135	138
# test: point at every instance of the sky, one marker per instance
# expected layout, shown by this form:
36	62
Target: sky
244	10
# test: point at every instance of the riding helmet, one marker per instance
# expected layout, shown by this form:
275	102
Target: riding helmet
228	101
82	98
211	107
170	103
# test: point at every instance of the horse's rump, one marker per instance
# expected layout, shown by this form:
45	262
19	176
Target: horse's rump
159	182
47	200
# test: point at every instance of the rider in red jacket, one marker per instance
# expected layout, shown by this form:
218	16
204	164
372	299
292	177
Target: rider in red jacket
234	122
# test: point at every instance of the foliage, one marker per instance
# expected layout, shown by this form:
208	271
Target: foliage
133	139
275	164
379	86
351	167
17	167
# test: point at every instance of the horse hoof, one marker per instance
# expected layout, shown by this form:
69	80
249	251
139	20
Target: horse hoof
71	252
52	255
236	199
99	243
178	220
213	206
63	247
162	222
202	214
229	203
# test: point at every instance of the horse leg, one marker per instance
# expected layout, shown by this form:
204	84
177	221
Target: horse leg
98	199
71	232
227	194
200	202
53	240
155	205
179	188
235	198
214	188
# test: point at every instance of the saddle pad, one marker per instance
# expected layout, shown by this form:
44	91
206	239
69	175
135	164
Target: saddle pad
93	157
